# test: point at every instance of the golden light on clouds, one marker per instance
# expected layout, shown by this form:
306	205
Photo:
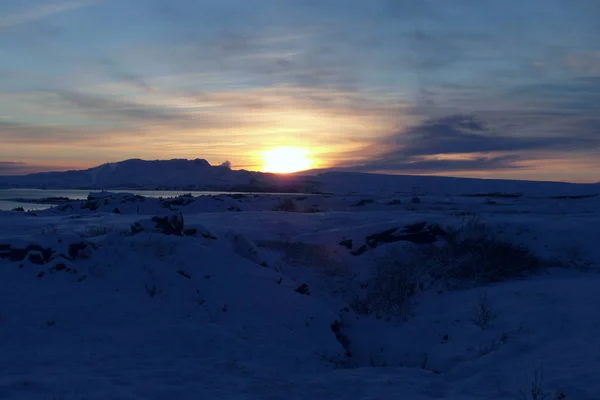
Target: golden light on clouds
283	160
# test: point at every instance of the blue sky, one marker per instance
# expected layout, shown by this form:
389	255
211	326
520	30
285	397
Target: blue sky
465	87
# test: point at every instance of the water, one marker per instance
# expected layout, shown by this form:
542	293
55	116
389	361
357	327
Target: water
8	195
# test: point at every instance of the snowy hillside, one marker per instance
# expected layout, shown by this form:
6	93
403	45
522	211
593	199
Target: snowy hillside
353	182
301	297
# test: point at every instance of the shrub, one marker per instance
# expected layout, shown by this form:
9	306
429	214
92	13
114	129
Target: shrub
471	254
474	253
392	288
536	391
483	316
287	205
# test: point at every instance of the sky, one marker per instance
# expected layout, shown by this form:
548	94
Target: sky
498	89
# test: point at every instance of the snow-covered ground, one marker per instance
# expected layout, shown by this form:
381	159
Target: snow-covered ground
279	297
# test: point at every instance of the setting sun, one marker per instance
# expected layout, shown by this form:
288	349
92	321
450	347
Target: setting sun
284	160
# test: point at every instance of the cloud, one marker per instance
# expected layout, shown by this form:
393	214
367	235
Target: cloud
458	134
112	107
118	72
21	168
415	165
31	134
459	143
583	63
9	168
41	12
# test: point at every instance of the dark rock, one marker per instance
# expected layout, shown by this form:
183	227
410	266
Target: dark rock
419	233
347	243
171	225
91	205
46	252
80	250
116	211
36	258
363	202
168	225
386	236
361	250
136	228
303	289
208	235
336	328
18	254
414	228
394	202
183	273
190	232
60	267
178	201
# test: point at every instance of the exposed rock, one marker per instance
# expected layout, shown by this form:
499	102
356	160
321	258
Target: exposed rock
167	225
363	202
336	328
178	201
362	249
91	205
60	267
81	250
347	243
15	254
419	233
184	274
36	257
190	232
303	289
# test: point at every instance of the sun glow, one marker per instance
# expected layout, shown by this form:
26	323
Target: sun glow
283	160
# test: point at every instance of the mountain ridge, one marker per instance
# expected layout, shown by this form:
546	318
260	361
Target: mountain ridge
199	175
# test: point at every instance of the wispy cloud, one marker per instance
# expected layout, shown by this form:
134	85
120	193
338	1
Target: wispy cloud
21	168
42	11
461	143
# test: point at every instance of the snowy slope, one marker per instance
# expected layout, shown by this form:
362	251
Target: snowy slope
233	297
353	182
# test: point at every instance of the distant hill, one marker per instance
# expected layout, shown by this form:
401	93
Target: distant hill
198	174
176	174
348	182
